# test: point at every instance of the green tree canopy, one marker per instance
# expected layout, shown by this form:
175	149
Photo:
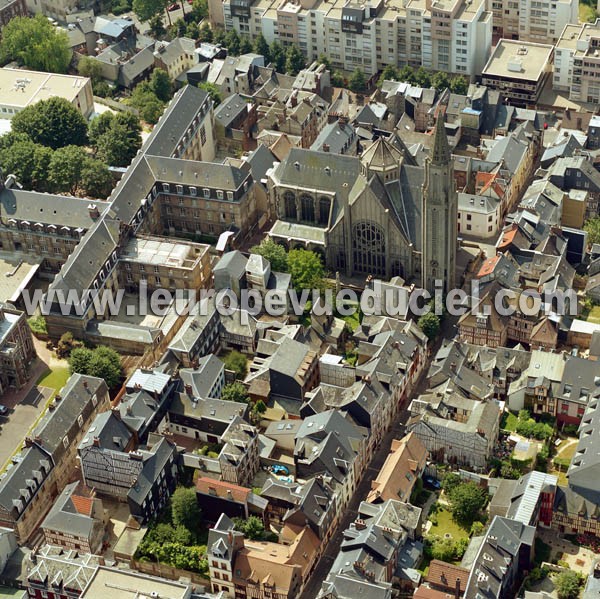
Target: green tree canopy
245	45
96	180
102	362
157	27
54	123
262	47
235	391
306	269
252	527
324	60
592	228
36	44
88	67
116	138
199	10
423	78
28	162
567	584
466	501
64	170
237	362
161	85
440	81
389	73
213	91
278	57
459	85
294	60
205	34
430	324
407	74
232	42
450	481
273	252
185	510
357	82
146	102
146	9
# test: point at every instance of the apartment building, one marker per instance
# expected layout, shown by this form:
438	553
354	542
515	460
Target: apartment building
9	9
577	62
446	35
537	21
519	70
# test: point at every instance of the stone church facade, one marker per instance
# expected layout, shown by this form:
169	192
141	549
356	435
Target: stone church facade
382	214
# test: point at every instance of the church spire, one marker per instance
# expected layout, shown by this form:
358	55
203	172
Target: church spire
440	153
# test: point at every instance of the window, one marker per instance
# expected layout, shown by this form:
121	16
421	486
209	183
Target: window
193	191
80	420
166	187
202	135
66	442
230	196
206	193
180	190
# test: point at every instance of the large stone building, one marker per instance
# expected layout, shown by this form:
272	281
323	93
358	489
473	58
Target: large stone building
17	352
381	215
453	35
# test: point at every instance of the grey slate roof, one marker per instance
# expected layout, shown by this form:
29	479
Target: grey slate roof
110	431
65	518
230	109
155	461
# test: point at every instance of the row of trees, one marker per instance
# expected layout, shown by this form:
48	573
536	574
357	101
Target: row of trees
423	78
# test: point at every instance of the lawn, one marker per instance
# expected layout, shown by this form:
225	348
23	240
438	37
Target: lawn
55	378
352	320
594	315
509	422
446	525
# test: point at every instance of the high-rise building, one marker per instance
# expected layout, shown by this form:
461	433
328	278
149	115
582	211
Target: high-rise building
532	21
446	35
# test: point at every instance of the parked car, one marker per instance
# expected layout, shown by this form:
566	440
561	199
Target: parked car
174	6
3	410
432	482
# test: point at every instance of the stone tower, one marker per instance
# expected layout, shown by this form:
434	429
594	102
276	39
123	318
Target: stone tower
440	215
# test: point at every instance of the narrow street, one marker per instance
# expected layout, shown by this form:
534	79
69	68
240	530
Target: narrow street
397	431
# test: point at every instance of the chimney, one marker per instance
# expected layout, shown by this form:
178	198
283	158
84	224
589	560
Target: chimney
457	589
57	397
359	524
188	389
85	384
94	212
28	441
294	99
325	148
96	442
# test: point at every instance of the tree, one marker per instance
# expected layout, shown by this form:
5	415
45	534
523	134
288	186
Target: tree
116	138
407	74
105	363
213	91
357	82
389	73
592	228
423	78
235	392
232	42
161	85
185	510
262	47
259	407
36	44
192	30
278	57
88	67
102	362
237	362
79	360
443	549
64	170
146	9
306	269
28	162
567	584
157	28
95	180
66	344
337	79
199	10
429	323
54	123
450	482
145	101
466	501
245	45
477	528
252	527
440	81
273	252
459	85
294	60
205	34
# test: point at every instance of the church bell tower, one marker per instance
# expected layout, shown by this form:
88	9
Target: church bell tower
440	215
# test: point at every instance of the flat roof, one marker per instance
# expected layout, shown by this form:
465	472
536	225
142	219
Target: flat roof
21	88
132	585
16	270
162	252
518	60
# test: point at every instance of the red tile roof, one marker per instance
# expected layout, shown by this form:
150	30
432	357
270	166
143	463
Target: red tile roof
223	489
443	574
424	592
83	505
